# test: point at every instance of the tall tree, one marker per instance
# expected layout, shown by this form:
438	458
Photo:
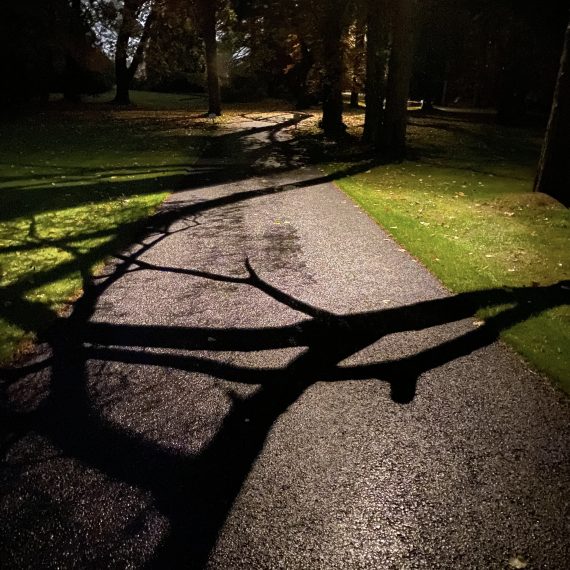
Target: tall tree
393	130
553	176
357	59
207	11
300	73
376	54
75	44
332	29
128	29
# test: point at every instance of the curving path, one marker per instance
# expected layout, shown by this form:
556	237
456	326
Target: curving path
266	380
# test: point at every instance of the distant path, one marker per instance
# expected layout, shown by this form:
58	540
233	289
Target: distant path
466	110
232	393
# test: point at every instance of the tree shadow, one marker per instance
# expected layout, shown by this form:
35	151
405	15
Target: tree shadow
196	492
16	305
208	171
487	145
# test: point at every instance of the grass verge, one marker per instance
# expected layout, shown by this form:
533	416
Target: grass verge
466	210
70	179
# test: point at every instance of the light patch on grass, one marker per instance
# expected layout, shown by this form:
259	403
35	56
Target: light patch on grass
72	182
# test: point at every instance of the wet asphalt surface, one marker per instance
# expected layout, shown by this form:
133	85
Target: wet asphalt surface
267	380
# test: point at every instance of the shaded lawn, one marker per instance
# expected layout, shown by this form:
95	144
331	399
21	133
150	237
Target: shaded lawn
75	183
69	180
466	210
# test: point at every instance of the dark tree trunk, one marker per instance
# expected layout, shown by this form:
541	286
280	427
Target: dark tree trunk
333	29
72	80
208	9
125	73
332	96
357	66
121	69
553	176
375	85
354	94
393	131
74	46
301	72
427	105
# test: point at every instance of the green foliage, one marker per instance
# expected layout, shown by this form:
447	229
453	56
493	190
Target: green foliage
174	58
256	50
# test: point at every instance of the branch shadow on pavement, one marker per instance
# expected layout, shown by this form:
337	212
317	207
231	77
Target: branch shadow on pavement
32	316
196	493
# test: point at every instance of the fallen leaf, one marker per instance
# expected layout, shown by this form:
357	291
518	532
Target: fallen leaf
518	562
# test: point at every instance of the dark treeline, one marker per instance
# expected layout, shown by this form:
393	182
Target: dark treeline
501	54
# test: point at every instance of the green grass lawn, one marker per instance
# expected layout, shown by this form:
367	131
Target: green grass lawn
466	210
72	180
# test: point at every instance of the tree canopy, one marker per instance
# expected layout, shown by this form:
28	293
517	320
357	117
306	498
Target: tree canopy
485	53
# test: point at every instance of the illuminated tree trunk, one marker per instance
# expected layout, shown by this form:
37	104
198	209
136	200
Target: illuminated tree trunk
553	176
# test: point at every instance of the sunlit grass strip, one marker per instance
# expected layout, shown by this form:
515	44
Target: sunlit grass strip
71	239
476	231
74	187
